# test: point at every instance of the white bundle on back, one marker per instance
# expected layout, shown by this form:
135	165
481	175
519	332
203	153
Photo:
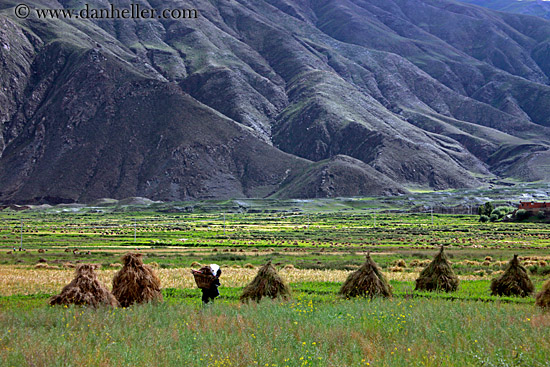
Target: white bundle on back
214	268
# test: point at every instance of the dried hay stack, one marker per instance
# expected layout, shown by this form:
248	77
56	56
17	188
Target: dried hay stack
368	280
438	275
85	289
136	282
400	263
69	265
267	283
396	269
414	263
513	282
543	297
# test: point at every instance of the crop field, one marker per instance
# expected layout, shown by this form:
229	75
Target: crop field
313	250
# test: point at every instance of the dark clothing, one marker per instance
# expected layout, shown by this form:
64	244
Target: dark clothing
212	292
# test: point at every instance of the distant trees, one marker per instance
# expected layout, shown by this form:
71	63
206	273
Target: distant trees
522	214
502	211
487	212
486	209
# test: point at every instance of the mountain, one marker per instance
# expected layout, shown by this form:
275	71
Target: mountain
539	8
279	98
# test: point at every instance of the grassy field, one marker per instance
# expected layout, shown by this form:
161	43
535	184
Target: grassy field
313	250
411	332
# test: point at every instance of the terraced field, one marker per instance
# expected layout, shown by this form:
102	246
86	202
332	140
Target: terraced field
313	250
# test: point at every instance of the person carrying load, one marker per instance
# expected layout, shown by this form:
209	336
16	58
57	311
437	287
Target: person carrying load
208	280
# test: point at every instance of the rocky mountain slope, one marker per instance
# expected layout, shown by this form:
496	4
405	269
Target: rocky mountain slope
539	8
282	98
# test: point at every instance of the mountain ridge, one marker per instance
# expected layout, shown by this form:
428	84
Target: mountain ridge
379	91
539	8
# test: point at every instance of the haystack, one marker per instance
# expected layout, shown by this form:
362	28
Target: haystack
136	282
543	297
368	280
513	282
267	283
85	289
438	275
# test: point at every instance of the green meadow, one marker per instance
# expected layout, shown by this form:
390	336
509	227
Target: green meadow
315	249
301	332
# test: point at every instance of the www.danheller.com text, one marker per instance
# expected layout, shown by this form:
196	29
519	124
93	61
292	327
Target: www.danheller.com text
134	11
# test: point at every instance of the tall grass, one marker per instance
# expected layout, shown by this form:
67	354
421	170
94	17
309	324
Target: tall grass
362	332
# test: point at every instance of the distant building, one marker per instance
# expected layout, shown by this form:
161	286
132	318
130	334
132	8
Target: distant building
533	207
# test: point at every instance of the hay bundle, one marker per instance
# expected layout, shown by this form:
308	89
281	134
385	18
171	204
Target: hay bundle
400	263
267	283
513	282
543	297
414	263
396	269
136	282
438	275
85	289
69	265
368	280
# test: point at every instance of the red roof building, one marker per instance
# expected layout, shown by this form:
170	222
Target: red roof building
531	206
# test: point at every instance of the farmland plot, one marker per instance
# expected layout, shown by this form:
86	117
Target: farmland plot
314	252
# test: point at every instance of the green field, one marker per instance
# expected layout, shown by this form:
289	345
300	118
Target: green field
298	333
315	248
